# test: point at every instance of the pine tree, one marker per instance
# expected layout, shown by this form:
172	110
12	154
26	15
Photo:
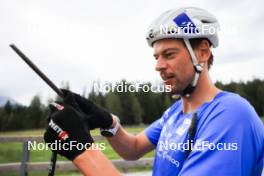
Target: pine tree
113	104
35	113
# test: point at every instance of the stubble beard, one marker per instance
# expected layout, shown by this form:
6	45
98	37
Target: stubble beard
180	84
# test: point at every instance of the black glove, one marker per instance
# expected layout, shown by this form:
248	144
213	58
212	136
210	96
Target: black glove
97	117
66	129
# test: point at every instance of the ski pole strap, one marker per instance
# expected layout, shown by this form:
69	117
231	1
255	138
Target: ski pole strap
191	134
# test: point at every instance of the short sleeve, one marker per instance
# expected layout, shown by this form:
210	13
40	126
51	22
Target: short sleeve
234	135
153	131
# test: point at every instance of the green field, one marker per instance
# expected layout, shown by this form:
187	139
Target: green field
12	152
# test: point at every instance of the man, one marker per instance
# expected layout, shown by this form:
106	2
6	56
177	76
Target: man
207	132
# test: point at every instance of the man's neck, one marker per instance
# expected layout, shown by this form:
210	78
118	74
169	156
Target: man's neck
205	91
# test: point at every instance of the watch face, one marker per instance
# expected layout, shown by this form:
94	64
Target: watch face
106	133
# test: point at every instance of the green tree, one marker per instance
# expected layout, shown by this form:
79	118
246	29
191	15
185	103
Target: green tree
113	104
35	113
148	102
8	107
260	99
7	116
64	85
131	108
97	96
3	119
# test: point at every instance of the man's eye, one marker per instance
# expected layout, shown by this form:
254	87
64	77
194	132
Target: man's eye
169	55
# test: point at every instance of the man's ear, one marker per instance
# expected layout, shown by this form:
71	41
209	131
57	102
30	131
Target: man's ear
203	51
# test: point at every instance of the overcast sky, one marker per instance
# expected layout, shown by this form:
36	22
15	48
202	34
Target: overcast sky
82	40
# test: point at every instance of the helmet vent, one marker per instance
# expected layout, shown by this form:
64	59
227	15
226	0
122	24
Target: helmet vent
205	21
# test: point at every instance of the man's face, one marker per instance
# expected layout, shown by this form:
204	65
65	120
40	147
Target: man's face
173	63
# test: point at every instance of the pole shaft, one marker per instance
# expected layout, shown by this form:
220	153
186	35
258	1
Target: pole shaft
52	85
37	70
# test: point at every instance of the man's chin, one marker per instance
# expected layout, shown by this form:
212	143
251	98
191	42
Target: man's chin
175	91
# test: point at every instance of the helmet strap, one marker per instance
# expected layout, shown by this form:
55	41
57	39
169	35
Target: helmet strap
198	68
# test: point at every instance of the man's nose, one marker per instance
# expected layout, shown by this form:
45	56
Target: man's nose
160	65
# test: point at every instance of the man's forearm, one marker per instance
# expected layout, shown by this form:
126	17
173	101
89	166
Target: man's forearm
94	163
130	146
124	144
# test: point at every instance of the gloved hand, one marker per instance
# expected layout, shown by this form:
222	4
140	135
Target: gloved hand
97	117
66	129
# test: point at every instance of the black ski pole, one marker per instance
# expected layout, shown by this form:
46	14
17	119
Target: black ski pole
52	85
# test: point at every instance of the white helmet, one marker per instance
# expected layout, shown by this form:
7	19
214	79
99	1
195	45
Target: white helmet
186	22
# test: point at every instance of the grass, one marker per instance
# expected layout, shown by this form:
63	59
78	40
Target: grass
36	132
12	152
69	173
42	173
39	132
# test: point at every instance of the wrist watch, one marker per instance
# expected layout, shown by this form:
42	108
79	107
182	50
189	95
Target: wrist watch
109	132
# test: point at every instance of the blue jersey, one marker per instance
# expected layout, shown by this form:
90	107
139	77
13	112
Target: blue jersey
229	139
